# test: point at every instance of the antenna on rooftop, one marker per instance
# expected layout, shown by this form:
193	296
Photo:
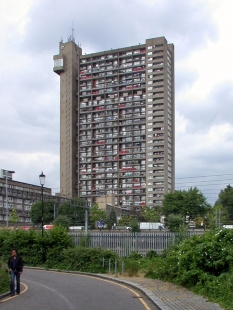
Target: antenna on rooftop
71	36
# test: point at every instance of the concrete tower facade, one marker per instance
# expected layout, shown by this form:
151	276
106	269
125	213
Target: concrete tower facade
117	123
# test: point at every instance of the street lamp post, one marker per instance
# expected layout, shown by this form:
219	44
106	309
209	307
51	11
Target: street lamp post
42	183
7	207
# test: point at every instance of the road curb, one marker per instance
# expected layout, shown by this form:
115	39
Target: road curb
4	295
155	300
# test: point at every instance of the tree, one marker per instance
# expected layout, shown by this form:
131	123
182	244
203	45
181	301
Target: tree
74	210
111	219
225	198
62	220
134	226
151	214
199	221
217	217
124	220
175	222
36	212
13	218
96	214
191	202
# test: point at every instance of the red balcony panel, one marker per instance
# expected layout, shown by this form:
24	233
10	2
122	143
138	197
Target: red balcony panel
138	68
85	77
128	169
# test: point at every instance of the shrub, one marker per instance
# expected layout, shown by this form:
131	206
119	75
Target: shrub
202	263
135	255
132	263
30	244
151	254
85	259
4	277
84	240
62	220
131	267
56	241
174	222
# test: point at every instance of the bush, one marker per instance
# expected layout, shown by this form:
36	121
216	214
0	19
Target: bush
56	241
84	240
135	255
132	264
151	254
134	226
62	220
202	263
174	222
131	267
30	244
85	259
4	278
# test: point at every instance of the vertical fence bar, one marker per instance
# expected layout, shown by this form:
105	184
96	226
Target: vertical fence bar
122	267
109	266
115	267
124	243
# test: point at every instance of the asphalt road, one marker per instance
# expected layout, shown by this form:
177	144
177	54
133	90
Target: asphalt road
47	290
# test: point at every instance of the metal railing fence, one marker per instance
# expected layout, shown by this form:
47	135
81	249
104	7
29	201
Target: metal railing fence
125	243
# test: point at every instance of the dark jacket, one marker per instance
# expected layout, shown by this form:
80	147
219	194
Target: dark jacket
18	263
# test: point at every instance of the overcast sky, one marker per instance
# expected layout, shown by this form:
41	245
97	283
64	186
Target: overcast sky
201	31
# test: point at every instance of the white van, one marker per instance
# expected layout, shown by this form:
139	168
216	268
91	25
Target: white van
73	228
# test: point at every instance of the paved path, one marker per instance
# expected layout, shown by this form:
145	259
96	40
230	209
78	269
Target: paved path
169	296
164	295
49	290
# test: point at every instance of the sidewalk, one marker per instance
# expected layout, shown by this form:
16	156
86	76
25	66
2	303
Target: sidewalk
167	296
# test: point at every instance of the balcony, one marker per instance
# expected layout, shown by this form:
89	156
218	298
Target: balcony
138	69
128	169
85	77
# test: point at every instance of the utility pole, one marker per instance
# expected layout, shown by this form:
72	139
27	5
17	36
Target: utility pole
86	217
218	218
7	206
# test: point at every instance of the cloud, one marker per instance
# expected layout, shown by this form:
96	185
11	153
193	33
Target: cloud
108	24
212	111
28	166
184	78
204	159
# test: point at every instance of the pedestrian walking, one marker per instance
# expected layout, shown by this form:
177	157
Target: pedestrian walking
15	265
